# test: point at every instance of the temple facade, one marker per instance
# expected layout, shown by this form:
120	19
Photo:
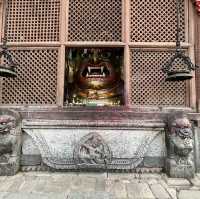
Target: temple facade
100	85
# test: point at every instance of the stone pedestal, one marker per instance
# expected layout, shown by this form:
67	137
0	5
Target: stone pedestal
182	170
112	144
9	169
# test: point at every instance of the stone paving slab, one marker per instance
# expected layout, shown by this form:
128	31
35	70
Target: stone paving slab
177	182
139	191
195	181
3	194
44	185
35	196
90	195
188	194
159	191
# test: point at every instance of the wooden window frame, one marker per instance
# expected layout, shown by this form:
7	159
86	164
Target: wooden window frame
126	44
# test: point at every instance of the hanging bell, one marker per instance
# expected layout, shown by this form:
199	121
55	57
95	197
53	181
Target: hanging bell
7	66
178	75
7	69
182	74
174	70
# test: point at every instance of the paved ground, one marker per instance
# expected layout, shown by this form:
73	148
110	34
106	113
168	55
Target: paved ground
44	185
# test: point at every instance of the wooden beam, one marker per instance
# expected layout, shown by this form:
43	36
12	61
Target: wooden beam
127	66
94	44
193	99
197	58
33	44
61	76
61	57
158	44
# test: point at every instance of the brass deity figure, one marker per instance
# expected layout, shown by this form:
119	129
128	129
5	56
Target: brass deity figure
94	77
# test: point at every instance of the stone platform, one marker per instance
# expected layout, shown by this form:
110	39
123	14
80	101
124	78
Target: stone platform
44	185
112	140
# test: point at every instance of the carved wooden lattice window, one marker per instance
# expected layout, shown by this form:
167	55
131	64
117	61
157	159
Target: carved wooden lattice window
95	20
155	20
36	80
148	85
33	20
147	25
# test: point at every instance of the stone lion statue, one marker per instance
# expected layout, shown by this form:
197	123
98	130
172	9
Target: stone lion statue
10	142
179	142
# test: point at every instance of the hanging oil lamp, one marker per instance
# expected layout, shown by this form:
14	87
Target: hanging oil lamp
7	66
187	66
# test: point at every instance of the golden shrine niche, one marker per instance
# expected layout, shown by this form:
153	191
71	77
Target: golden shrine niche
94	76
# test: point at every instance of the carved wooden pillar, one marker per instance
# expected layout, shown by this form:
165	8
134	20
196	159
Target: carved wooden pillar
197	51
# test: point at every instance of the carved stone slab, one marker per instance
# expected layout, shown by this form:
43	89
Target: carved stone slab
97	148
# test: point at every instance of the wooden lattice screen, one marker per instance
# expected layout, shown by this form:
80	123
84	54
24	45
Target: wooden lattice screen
155	20
148	86
36	81
55	25
33	20
95	20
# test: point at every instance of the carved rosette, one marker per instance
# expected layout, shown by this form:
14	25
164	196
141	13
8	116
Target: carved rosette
92	150
179	140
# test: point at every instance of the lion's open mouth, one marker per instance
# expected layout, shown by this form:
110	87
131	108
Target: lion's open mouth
99	71
4	128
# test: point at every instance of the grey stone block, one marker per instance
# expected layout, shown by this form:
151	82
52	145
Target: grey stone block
91	195
159	191
197	148
172	193
189	194
195	181
35	196
154	162
58	147
139	191
118	189
3	195
100	184
178	182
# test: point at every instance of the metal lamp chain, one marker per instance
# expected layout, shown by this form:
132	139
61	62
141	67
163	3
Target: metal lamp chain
178	40
4	39
187	66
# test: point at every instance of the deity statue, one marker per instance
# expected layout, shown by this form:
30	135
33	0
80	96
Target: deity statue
179	140
94	77
10	142
92	150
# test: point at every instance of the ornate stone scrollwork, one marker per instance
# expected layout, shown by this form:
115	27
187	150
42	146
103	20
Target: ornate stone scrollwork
179	140
10	142
92	150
